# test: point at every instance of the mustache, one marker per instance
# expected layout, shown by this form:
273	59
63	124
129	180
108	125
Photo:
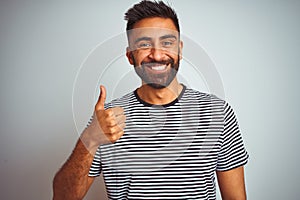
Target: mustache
155	62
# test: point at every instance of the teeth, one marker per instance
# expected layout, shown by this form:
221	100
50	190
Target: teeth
158	68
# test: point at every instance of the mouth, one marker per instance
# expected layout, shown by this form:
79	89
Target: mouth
156	67
159	68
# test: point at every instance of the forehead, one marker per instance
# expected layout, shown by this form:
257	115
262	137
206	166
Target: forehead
152	33
156	22
153	27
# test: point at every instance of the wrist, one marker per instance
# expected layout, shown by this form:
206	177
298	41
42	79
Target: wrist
90	140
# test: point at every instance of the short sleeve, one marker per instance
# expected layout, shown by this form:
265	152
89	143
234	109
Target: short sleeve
95	169
233	153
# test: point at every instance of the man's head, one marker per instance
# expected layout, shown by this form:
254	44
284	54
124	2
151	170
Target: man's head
148	9
154	42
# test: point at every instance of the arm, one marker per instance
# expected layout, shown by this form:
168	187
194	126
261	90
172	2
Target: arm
72	180
232	184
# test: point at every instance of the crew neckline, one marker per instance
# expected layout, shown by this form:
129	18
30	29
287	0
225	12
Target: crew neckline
163	105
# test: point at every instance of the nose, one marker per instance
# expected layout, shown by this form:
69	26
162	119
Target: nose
156	54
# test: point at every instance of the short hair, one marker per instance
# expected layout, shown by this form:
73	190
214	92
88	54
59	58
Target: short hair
148	9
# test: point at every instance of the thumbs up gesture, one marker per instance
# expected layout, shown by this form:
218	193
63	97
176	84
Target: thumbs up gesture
107	125
111	121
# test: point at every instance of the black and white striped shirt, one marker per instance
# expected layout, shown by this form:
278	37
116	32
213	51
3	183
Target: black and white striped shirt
170	151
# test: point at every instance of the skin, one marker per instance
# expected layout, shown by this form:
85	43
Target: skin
158	27
232	184
72	180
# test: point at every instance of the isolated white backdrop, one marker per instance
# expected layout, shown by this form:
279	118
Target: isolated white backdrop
255	46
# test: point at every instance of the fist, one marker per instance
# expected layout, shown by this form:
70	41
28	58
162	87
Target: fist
111	121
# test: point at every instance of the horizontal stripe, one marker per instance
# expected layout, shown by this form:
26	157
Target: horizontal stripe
170	152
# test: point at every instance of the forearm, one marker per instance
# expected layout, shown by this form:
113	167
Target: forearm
72	181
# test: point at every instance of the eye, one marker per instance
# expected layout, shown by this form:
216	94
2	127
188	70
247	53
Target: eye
144	45
168	43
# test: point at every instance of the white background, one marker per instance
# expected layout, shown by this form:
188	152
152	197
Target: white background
255	46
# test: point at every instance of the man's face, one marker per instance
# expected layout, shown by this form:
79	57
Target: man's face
155	51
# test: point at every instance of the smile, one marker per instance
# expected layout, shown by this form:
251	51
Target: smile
159	68
156	67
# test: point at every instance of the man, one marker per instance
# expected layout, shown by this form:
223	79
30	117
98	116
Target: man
164	140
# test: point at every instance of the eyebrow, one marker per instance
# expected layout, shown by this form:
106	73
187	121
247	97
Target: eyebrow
142	38
160	38
167	37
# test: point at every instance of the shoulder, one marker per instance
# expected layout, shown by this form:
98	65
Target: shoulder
208	101
202	97
211	101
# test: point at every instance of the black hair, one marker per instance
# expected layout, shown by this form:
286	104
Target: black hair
148	9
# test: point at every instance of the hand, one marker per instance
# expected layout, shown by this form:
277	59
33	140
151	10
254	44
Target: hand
111	121
107	126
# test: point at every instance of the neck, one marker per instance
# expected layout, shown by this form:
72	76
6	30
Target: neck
160	96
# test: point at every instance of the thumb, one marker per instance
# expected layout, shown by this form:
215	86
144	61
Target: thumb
101	99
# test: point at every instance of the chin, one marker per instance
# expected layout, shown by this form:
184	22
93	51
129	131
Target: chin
156	85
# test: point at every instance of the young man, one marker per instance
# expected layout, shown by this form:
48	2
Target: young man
175	138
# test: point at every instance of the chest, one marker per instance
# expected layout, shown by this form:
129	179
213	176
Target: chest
157	138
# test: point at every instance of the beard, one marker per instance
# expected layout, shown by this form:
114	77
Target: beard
157	80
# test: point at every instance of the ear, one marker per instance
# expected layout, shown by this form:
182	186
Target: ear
129	56
180	49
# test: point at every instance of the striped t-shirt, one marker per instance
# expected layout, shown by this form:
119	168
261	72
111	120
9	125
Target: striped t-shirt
170	151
